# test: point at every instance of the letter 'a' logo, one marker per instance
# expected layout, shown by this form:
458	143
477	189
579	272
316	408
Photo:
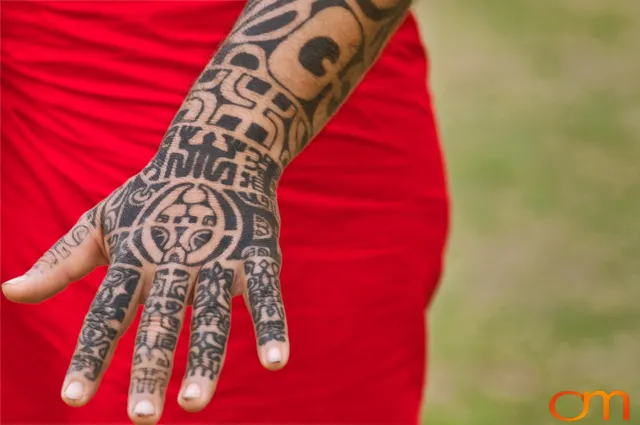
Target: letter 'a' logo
586	401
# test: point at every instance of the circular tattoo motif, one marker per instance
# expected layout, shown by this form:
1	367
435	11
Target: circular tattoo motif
188	224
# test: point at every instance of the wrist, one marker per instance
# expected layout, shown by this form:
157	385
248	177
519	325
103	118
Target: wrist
250	107
208	152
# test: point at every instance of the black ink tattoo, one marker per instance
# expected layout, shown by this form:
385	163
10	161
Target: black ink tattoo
263	287
208	197
62	249
103	322
211	321
160	323
148	380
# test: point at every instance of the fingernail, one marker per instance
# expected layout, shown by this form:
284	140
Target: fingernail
15	280
192	391
274	355
74	390
144	408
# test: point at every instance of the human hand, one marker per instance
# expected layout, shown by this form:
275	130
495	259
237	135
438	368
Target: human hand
196	225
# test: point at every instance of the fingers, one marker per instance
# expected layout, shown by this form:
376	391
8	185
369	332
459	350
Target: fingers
110	315
73	256
156	341
210	325
267	310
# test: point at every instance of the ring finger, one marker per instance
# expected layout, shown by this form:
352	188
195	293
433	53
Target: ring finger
210	326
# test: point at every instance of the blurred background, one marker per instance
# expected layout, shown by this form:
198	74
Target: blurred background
539	108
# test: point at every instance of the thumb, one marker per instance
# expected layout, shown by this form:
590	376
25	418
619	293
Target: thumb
69	259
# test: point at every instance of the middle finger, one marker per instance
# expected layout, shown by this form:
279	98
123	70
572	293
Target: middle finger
158	332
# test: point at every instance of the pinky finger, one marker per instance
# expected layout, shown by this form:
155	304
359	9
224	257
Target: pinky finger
264	300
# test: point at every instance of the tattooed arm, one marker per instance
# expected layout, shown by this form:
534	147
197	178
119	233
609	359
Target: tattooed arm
200	222
285	69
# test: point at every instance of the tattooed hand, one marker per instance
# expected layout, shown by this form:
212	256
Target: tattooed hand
200	222
168	239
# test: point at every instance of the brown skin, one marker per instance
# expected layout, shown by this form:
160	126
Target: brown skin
200	223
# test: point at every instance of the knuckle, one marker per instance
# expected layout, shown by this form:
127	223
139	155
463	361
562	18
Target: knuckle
272	330
89	363
91	217
148	380
154	336
99	323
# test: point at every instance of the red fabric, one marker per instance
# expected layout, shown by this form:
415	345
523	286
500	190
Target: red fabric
88	90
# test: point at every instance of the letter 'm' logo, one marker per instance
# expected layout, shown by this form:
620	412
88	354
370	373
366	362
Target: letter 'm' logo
586	401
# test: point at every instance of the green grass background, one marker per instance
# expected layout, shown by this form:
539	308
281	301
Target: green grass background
539	110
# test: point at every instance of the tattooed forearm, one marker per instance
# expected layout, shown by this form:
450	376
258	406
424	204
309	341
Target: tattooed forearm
283	71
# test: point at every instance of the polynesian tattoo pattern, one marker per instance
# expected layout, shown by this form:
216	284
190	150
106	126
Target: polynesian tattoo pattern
207	198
